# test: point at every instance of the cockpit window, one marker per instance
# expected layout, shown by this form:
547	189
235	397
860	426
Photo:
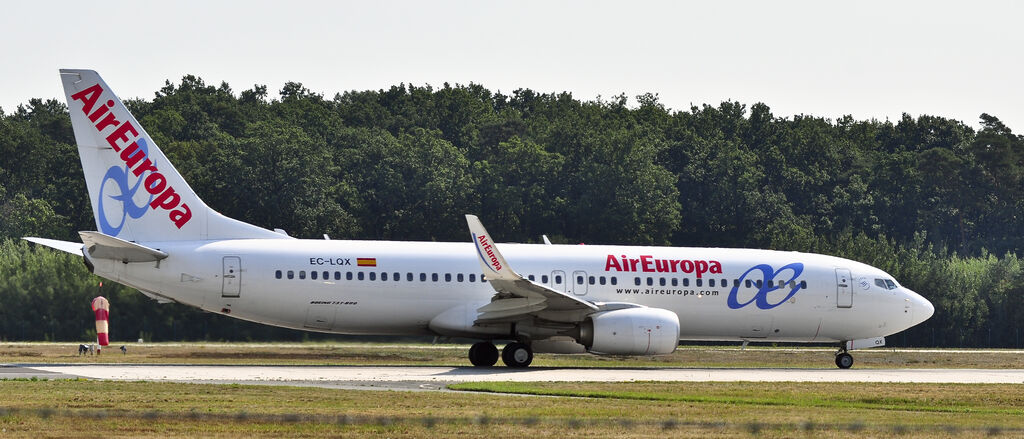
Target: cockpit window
886	284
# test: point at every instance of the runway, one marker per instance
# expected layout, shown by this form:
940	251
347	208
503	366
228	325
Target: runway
432	377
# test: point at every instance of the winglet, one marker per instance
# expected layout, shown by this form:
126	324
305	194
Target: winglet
491	260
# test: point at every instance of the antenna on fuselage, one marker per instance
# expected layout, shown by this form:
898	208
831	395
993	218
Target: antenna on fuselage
546	240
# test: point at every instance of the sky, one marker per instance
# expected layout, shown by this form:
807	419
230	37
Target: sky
868	59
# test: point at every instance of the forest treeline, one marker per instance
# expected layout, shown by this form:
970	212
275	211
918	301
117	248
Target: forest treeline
931	200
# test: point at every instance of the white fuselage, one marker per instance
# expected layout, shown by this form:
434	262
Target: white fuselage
403	286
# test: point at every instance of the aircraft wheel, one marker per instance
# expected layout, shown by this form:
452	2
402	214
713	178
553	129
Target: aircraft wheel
483	354
844	360
517	355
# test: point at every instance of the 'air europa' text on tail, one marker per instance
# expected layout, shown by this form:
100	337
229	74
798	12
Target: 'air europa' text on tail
124	137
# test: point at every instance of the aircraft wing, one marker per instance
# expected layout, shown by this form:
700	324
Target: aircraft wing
517	297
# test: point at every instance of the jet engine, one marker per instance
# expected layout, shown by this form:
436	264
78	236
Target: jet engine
631	331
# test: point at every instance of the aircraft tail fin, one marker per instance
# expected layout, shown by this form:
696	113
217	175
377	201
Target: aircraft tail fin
136	193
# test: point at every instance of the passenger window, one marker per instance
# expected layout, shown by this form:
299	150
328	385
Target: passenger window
423	277
360	275
312	275
348	275
711	282
650	281
302	274
291	274
459	277
686	282
700	282
530	277
472	277
601	279
433	277
782	283
803	284
661	281
792	284
636	280
384	276
337	275
544	279
747	282
558	279
759	283
615	280
277	274
408	277
590	280
735	282
447	277
373	275
579	280
675	282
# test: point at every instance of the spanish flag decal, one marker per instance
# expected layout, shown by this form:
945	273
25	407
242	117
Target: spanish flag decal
366	262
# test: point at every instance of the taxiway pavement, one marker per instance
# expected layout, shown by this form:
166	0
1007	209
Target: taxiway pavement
433	377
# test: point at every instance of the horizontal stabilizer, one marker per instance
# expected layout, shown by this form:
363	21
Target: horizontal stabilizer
108	247
74	248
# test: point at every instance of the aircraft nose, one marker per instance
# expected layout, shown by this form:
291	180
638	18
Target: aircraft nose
922	309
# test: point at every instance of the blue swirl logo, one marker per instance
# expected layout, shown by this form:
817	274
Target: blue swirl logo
126	194
768	285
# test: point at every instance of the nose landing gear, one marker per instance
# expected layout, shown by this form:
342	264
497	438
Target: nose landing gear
843	358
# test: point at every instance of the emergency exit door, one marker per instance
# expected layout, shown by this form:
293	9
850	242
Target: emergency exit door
844	288
232	277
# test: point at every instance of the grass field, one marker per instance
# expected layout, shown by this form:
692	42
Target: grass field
455	355
80	408
85	408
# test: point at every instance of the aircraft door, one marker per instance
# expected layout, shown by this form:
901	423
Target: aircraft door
231	285
579	283
844	288
558	281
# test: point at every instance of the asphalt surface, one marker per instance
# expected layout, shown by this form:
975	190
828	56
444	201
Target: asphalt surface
435	378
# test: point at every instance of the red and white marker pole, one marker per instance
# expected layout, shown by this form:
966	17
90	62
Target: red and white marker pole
101	307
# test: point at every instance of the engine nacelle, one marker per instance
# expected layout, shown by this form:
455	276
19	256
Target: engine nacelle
631	331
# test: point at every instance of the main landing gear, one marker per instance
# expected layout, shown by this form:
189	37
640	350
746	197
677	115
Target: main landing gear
515	354
843	358
483	354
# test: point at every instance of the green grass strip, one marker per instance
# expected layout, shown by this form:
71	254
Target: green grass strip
839	401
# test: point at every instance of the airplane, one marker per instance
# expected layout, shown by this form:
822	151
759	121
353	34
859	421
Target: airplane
155	234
